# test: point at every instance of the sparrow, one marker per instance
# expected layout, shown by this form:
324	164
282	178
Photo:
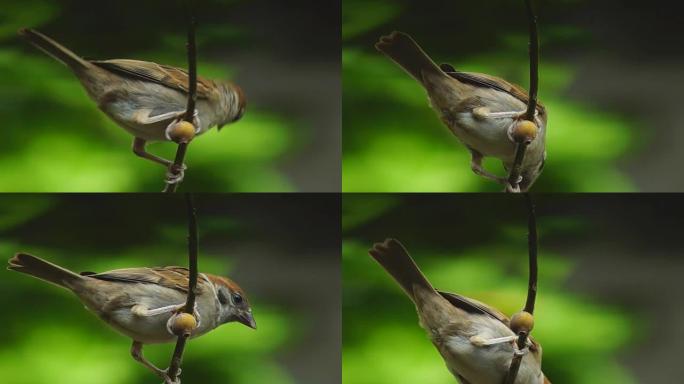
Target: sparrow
146	98
473	338
138	302
480	110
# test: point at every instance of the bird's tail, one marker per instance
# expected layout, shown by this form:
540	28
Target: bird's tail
37	267
53	49
403	50
394	258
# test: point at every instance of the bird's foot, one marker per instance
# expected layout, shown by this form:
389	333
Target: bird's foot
520	352
513	188
175	174
480	341
164	374
482	113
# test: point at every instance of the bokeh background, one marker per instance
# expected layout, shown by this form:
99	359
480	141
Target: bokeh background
283	250
610	270
610	77
285	55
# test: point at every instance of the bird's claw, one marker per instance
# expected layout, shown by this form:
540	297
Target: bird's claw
481	113
197	316
196	121
477	341
480	341
520	352
513	188
175	174
168	379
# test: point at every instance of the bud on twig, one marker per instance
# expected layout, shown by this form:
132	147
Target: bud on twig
524	131
181	324
180	132
522	322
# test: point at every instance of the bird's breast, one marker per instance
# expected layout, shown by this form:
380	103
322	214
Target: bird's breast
485	364
487	136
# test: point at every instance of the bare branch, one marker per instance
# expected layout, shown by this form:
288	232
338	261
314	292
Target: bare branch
177	167
532	246
177	358
534	60
516	169
520	147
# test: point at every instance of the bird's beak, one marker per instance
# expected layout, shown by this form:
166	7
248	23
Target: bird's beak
247	319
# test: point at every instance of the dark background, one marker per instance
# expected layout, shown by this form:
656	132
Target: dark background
285	55
610	76
609	285
283	250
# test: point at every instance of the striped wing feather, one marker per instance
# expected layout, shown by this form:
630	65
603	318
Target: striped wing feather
488	81
169	277
165	75
473	306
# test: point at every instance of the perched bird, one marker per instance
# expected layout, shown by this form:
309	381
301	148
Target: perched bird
138	302
473	338
146	98
481	110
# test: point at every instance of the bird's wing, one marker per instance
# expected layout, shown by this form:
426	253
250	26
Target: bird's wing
165	75
169	277
488	81
474	306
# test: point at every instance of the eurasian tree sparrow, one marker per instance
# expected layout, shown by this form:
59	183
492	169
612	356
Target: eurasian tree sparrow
138	302
473	338
481	110
146	98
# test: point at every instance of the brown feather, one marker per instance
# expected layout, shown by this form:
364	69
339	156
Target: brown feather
37	267
165	75
403	50
394	258
489	81
227	282
54	49
474	306
170	277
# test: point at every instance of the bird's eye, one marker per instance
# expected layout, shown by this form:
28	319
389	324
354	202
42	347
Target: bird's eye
237	298
222	297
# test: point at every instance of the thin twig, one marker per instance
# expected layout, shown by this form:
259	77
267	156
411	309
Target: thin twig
532	249
177	358
516	169
534	60
517	359
177	167
520	147
532	246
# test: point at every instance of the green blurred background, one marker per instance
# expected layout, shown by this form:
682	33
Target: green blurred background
283	250
610	272
285	56
606	76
